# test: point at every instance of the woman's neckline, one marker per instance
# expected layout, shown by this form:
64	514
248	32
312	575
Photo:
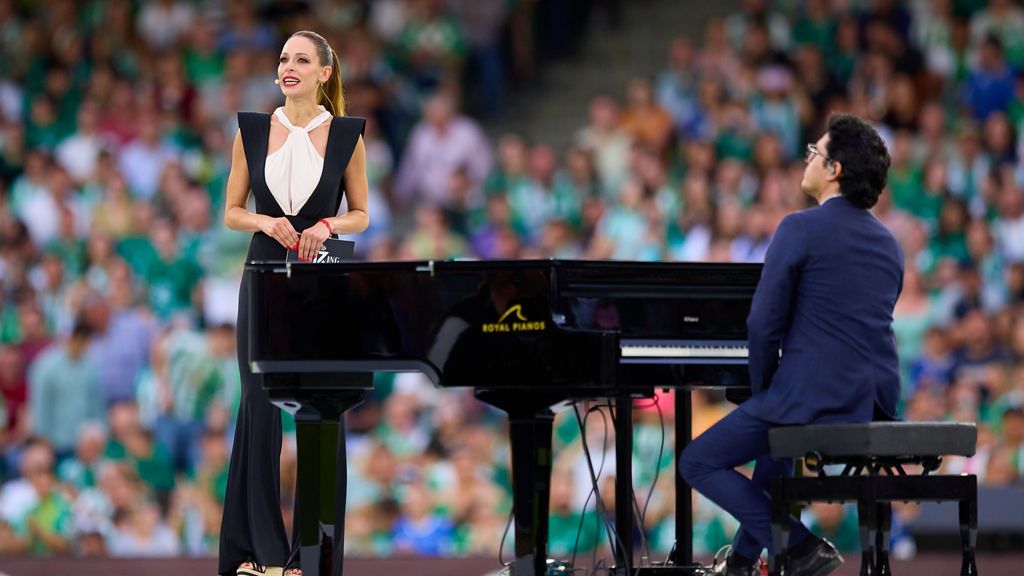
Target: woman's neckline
304	125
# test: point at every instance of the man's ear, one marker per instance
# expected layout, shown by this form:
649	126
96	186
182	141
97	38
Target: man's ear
835	169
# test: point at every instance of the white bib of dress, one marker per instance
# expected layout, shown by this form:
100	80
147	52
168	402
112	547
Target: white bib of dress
293	171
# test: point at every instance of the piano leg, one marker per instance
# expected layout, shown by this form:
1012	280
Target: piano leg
624	480
684	494
321	485
531	487
530	419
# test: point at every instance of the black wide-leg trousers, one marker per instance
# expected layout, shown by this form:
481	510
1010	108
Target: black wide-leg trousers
252	529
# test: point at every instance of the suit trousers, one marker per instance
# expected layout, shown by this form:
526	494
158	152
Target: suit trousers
708	464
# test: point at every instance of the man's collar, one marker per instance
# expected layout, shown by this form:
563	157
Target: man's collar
830	197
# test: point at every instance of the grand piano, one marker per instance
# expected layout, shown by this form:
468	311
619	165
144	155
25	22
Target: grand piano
526	335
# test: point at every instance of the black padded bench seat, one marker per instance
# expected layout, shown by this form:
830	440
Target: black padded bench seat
875	439
874	455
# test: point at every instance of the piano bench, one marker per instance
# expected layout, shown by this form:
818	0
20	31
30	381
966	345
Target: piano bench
873	456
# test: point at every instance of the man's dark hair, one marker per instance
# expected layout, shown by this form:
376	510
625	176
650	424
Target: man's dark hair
1013	412
857	146
82	329
992	40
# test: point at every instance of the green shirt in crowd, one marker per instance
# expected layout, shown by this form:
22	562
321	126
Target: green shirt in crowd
563	529
845	536
52	514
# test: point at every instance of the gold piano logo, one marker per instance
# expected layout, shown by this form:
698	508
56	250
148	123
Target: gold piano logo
513	320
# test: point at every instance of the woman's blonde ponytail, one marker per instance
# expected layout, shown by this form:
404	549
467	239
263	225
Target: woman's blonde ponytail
332	88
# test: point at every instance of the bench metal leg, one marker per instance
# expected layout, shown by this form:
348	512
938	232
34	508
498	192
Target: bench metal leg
866	513
780	529
969	534
884	528
874	496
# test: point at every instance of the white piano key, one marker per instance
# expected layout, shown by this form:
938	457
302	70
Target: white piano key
684	352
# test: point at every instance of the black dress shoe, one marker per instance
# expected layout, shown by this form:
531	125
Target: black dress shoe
821	560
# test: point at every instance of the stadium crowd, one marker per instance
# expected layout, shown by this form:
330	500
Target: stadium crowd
118	280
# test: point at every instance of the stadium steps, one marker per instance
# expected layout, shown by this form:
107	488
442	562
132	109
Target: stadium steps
555	107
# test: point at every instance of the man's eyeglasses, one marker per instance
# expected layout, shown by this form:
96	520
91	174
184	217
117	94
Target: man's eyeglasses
812	151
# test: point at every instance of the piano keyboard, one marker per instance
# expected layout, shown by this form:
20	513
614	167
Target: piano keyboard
684	351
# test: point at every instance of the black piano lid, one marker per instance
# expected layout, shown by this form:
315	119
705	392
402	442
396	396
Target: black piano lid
667	301
624	271
568	278
460	265
280	266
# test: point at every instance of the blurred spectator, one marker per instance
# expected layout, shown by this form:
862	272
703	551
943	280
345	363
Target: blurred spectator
203	59
419	530
643	120
79	152
837	523
482	22
439	145
470	488
14	397
55	210
432	236
171	274
912	316
144	159
64	391
17	496
195	511
114	213
1003	20
163	22
45	526
571	531
773	112
604	138
431	44
81	471
990	86
756	13
246	32
189	373
117	489
676	85
815	26
152	462
400	428
139	532
1008	227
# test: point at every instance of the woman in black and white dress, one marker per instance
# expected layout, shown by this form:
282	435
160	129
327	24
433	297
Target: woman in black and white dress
298	163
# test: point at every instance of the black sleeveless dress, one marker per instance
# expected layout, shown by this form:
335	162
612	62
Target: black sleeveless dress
252	529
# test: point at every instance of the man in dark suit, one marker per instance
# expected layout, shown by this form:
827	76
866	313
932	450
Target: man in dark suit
831	277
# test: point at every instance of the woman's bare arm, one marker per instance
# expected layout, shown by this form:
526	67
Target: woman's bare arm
356	192
237	217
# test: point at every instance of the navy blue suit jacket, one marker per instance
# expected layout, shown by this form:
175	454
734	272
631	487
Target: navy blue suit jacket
831	277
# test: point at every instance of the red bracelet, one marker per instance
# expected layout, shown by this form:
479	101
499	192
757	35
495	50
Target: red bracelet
330	231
